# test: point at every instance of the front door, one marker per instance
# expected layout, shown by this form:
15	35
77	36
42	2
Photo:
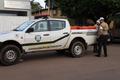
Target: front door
38	39
60	32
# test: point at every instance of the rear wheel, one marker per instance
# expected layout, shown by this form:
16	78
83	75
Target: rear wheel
10	55
76	49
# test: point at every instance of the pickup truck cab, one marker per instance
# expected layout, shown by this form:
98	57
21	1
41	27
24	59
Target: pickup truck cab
43	35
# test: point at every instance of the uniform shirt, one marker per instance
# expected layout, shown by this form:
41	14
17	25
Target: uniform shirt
105	28
99	30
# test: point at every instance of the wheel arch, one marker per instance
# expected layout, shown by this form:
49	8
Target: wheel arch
12	42
81	40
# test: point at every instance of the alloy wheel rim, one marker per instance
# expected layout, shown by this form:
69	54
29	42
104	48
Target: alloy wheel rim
10	55
78	50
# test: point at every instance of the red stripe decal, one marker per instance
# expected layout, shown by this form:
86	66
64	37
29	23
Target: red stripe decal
82	27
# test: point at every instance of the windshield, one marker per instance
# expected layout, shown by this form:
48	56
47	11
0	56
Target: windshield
23	26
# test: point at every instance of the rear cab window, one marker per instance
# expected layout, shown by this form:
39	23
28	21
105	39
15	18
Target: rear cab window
56	25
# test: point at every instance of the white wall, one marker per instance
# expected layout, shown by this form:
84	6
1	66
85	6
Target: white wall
8	23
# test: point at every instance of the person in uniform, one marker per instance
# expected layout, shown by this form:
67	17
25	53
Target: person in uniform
95	46
103	36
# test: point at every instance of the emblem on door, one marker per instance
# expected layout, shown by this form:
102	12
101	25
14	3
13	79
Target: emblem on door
38	38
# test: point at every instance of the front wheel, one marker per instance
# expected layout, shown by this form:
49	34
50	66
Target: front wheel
76	49
10	55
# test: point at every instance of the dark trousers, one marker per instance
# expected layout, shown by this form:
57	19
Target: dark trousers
102	43
95	47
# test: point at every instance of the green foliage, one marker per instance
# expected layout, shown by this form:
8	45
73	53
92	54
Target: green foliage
35	6
80	9
53	3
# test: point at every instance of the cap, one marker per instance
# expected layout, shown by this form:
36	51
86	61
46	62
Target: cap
98	21
101	18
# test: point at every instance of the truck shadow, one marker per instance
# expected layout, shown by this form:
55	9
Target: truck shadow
42	56
52	55
49	55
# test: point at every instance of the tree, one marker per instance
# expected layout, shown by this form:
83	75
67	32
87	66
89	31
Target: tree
83	9
36	7
53	3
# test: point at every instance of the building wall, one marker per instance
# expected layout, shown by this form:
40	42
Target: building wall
3	2
13	13
8	23
53	13
16	5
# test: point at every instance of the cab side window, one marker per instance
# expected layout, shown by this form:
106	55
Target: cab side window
56	25
40	26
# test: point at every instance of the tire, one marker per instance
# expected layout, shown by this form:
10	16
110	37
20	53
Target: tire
10	55
76	49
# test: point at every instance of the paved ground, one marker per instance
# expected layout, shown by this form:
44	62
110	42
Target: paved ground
49	66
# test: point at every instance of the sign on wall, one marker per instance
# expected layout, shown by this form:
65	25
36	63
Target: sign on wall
17	4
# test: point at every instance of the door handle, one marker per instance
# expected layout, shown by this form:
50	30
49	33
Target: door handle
46	34
65	33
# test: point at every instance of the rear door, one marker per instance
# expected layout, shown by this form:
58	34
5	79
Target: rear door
60	32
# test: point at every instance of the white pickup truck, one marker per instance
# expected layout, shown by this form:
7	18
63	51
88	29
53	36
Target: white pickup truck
42	35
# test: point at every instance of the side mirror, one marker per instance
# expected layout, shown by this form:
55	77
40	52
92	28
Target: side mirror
30	30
